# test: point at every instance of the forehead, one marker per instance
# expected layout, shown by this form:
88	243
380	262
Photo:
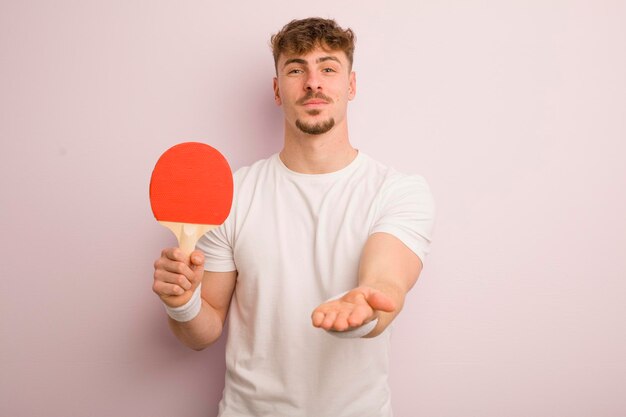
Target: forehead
315	55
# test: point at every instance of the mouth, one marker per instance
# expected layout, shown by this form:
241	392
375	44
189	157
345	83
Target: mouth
314	102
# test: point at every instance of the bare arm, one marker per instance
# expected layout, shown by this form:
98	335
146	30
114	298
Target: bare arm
388	266
387	271
207	326
175	281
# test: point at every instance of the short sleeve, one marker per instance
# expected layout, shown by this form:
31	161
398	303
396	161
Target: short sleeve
407	211
218	244
217	249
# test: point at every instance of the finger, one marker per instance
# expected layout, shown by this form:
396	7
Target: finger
329	320
359	315
164	289
341	322
173	254
175	267
173	278
317	318
197	266
197	258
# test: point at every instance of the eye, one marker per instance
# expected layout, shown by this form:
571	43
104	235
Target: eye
329	70
295	71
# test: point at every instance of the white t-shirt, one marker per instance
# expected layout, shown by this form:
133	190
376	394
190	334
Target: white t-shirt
295	240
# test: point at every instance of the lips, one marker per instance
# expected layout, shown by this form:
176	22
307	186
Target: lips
314	102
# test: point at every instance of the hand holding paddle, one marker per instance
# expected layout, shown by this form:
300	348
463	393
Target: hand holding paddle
191	192
176	277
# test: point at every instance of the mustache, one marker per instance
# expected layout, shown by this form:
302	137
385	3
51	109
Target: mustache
310	95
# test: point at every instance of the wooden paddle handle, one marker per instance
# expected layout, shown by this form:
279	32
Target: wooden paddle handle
188	234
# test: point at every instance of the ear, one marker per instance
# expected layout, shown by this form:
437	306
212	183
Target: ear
277	99
352	86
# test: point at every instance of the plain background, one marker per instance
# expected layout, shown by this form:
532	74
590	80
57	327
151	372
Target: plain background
515	112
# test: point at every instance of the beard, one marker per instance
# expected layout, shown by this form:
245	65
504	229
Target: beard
317	128
320	127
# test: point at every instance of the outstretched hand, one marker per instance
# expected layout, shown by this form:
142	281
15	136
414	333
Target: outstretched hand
357	307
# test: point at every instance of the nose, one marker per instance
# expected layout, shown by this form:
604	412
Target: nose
313	81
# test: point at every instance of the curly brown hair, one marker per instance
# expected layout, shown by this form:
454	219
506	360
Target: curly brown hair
302	36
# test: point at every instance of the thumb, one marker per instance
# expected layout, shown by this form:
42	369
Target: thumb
379	301
197	259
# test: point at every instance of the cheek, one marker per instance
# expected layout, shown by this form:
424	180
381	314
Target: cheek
341	98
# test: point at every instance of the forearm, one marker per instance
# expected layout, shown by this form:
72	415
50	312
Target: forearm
391	268
201	331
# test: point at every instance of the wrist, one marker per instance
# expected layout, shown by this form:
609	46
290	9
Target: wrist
189	310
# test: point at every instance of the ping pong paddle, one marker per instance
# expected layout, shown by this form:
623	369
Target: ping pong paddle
191	191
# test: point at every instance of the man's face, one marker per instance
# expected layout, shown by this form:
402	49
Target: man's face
314	89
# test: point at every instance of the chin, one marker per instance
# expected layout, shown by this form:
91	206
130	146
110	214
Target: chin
316	128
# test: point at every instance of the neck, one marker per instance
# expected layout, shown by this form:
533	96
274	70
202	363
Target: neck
317	154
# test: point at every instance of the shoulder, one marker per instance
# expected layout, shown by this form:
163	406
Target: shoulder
405	209
249	175
393	182
253	169
407	183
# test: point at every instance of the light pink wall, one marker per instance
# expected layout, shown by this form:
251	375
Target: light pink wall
514	111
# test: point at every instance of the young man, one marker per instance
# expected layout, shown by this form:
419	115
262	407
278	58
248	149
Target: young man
316	257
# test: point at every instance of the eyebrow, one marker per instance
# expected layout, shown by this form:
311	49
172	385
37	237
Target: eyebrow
317	61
